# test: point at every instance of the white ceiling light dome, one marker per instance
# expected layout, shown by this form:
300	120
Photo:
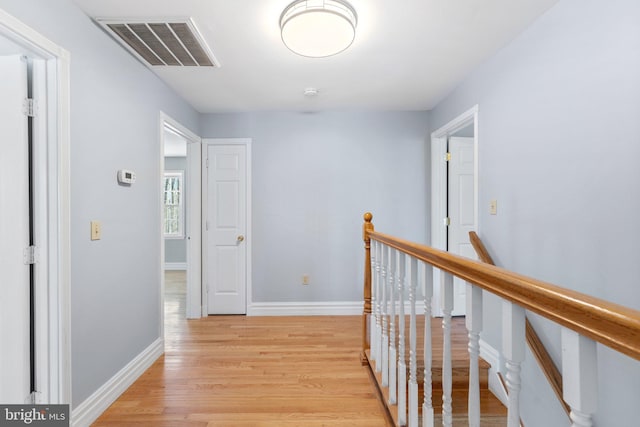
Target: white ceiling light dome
318	28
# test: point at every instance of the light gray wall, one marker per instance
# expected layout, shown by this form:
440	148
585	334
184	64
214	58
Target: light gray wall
314	176
115	105
559	140
175	250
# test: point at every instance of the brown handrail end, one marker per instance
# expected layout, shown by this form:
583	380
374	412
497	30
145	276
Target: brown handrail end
367	228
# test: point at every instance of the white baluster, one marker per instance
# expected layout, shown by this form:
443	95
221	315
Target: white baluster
385	321
579	377
447	307
393	355
402	363
413	360
427	404
473	321
374	325
513	342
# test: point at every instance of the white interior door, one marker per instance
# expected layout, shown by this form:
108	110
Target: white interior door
461	207
15	323
226	227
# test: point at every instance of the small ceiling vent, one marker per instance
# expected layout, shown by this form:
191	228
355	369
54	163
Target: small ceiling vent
161	43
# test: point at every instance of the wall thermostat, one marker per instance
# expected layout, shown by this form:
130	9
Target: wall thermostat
126	177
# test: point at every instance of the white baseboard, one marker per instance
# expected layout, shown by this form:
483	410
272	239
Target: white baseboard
494	358
329	308
175	265
89	410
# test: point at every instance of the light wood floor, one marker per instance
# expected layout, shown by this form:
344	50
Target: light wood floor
251	371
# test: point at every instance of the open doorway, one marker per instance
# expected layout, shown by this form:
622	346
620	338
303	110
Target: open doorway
180	239
454	197
174	226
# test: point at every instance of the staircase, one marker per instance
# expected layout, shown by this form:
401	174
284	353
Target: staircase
493	412
395	267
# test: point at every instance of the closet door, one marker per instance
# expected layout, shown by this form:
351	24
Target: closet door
15	283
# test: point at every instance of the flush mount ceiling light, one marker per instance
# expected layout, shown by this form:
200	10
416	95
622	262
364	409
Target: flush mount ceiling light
318	28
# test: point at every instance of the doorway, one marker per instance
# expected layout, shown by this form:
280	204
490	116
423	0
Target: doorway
174	227
35	303
180	238
454	197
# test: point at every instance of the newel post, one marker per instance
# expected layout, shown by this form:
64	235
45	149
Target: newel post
366	228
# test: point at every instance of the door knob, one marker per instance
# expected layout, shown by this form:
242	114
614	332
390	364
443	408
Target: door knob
240	238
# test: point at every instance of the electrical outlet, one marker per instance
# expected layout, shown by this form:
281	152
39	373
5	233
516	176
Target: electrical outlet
305	279
96	230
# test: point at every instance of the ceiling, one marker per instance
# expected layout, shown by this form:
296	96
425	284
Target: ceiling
407	54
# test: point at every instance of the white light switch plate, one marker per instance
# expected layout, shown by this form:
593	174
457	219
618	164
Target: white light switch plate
493	207
96	230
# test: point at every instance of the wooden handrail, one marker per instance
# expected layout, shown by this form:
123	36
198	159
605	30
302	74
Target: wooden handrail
549	368
480	249
610	324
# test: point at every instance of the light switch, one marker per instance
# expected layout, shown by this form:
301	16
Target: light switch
96	230
493	207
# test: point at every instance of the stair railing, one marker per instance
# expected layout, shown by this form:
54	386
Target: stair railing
585	321
542	356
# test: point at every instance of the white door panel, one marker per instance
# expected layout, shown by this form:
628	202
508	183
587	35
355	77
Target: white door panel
14	232
227	213
226	274
461	209
226	207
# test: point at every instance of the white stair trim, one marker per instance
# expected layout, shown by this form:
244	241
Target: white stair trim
494	358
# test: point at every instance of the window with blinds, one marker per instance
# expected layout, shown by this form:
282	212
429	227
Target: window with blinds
173	204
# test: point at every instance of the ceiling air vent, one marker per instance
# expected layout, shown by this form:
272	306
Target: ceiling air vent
162	43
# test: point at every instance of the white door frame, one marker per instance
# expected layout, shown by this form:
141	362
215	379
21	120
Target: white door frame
52	218
192	224
439	187
248	235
